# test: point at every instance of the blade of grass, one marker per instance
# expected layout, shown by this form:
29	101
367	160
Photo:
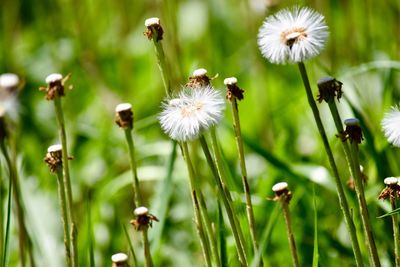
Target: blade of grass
8	223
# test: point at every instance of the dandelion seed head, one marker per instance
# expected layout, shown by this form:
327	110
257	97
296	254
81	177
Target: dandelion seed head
391	126
199	72
141	211
292	35
193	111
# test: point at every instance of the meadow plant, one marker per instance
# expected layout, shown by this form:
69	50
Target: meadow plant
294	36
283	195
119	260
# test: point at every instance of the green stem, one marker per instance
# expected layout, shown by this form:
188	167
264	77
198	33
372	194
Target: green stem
67	179
146	245
8	223
131	249
64	217
339	187
209	230
135	179
22	232
246	188
196	206
224	194
396	236
292	244
370	241
162	65
2	221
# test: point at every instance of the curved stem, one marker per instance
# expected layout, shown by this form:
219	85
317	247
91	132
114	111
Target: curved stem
339	187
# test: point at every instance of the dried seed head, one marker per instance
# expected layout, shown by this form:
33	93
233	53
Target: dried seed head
282	192
124	115
9	81
233	92
391	181
53	157
392	189
119	260
329	88
199	78
153	29
353	131
140	211
143	219
55	85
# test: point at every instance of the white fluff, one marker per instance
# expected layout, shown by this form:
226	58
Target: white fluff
391	126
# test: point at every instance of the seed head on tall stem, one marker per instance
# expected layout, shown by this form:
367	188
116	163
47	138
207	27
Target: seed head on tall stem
119	260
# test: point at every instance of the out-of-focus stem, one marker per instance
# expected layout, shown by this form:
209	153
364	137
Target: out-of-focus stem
396	237
292	243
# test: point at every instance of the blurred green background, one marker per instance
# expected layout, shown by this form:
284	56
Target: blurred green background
102	44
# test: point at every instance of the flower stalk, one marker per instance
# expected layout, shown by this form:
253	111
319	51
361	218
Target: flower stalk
155	33
54	160
235	93
354	133
339	187
283	195
54	91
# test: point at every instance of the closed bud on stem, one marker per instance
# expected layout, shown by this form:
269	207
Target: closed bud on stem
353	130
154	29
124	115
9	82
329	88
233	90
143	219
119	260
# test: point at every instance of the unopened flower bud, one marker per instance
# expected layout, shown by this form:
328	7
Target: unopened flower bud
282	192
143	219
55	85
124	115
53	157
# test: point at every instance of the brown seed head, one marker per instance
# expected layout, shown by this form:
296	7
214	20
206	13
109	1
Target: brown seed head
329	88
55	85
353	131
199	78
282	192
392	189
233	90
143	219
154	29
124	115
53	157
119	260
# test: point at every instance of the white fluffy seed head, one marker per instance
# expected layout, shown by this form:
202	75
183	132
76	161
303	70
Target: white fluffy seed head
280	187
199	72
292	35
123	107
8	80
391	180
54	77
230	81
391	126
193	111
151	22
119	258
54	148
141	211
352	122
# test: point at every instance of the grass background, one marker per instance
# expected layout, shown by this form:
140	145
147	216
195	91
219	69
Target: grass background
102	44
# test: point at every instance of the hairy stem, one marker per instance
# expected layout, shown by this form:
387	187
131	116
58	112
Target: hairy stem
292	243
